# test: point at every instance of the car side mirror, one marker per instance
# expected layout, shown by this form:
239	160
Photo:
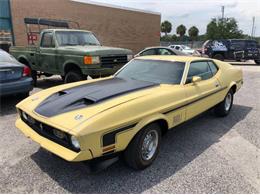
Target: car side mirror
196	79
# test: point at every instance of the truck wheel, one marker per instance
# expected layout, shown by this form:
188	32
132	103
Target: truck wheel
34	77
257	62
144	148
73	76
218	57
224	107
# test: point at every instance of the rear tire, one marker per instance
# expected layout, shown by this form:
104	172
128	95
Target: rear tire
219	57
257	62
73	76
144	148
224	107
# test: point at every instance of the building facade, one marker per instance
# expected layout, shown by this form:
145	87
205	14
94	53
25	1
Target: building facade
113	26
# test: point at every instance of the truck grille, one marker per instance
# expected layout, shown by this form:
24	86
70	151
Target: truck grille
110	61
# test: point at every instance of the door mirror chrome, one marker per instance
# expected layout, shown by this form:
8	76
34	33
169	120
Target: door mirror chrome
196	79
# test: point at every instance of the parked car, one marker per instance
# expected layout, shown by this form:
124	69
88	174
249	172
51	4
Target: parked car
232	49
14	76
129	112
159	50
74	54
183	48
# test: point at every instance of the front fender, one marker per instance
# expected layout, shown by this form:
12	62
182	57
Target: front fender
124	138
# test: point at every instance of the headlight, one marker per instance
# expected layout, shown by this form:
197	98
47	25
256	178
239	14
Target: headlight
91	60
129	57
24	115
75	142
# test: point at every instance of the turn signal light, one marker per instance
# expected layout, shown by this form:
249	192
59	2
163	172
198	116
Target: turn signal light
26	71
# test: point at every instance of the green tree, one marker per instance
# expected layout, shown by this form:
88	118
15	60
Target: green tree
226	28
166	27
193	33
181	30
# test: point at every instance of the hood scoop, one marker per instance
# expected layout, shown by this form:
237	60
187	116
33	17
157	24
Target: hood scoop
88	94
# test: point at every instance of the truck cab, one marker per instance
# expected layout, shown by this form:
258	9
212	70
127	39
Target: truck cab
232	49
73	54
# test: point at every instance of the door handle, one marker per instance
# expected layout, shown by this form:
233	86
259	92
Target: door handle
217	85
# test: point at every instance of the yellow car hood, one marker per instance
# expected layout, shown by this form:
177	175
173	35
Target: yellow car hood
69	105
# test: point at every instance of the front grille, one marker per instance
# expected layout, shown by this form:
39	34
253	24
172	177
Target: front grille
47	132
110	61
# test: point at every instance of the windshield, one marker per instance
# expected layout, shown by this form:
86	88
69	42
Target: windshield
70	38
5	57
156	71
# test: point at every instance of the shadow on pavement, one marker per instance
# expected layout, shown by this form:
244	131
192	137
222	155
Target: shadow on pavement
179	147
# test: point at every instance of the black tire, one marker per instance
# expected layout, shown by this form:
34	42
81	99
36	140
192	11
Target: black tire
24	95
219	57
73	76
34	77
222	109
133	154
257	62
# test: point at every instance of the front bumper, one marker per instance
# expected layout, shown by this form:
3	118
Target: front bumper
53	147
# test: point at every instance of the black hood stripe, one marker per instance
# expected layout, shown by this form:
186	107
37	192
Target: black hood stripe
88	94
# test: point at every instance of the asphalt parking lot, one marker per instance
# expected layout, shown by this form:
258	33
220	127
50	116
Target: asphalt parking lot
205	155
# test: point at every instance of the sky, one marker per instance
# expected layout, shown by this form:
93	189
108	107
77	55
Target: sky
197	12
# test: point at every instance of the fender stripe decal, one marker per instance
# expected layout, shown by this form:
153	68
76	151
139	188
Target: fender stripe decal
110	137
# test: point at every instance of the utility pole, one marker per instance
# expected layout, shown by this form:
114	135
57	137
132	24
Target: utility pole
253	27
223	11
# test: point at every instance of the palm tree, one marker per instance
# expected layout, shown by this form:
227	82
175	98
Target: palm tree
181	30
166	27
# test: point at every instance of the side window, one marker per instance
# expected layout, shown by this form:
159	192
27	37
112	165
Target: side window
177	47
47	40
148	52
164	52
213	67
200	69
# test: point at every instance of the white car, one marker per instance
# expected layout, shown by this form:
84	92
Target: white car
183	48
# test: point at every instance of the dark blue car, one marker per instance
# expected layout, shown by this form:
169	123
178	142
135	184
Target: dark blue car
14	76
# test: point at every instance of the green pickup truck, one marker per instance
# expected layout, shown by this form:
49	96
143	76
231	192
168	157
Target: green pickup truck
72	54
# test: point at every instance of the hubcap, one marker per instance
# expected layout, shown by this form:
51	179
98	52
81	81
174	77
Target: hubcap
228	101
149	145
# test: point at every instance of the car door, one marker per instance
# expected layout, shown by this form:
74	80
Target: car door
47	54
202	94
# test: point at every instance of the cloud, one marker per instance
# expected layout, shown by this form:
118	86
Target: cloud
198	12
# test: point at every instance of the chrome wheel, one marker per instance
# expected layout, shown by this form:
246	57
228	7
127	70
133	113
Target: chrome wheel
228	101
150	144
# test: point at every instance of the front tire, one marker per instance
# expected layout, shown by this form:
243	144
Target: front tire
144	148
257	62
73	76
224	107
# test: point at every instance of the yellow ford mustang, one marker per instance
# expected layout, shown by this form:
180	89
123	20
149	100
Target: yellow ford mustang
129	111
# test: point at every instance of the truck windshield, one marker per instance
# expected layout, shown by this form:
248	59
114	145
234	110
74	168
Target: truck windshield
156	71
69	38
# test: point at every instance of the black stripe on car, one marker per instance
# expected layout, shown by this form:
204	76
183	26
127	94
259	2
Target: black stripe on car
196	100
110	138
